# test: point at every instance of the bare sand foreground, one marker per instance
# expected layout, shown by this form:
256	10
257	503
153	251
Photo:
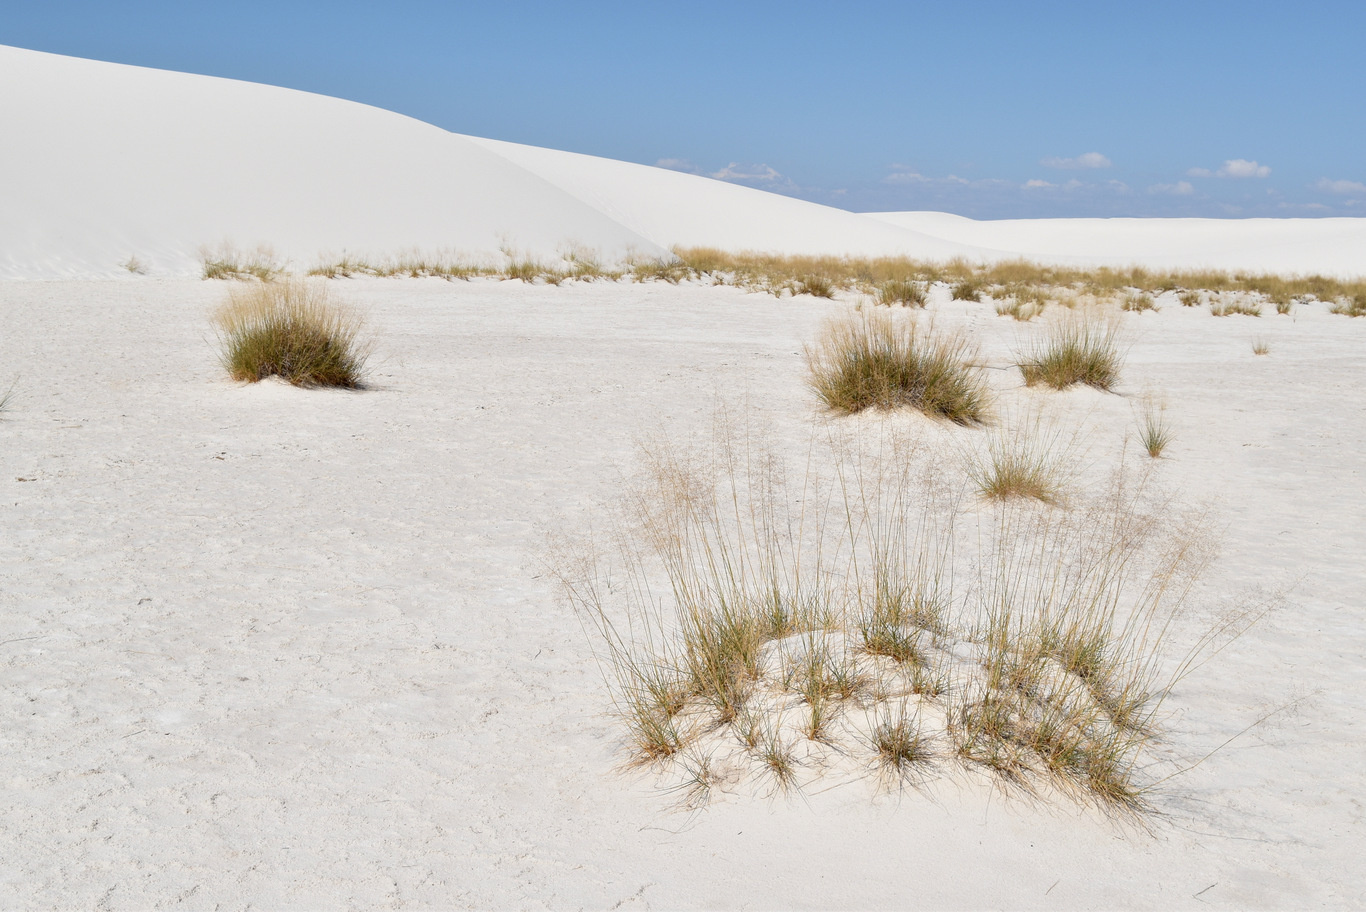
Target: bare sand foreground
267	647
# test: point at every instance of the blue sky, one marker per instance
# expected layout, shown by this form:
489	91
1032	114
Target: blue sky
989	109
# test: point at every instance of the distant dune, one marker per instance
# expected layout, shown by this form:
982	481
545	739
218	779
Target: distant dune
103	162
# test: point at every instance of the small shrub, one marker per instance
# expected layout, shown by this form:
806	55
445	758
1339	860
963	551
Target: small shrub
908	294
135	266
1075	350
1260	346
1190	298
871	360
291	330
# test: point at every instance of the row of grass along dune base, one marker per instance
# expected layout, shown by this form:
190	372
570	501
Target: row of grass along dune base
1019	289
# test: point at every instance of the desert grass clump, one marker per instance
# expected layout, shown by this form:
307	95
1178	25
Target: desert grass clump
1022	303
875	359
899	291
292	330
900	746
1350	305
1260	346
1024	458
1077	610
1154	431
1080	349
1137	303
227	262
967	289
135	266
818	286
838	591
1190	298
1235	306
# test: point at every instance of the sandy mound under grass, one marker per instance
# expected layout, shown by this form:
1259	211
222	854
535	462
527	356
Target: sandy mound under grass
273	646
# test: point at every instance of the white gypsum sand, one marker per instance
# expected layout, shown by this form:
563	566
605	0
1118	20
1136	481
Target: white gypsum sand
279	647
264	646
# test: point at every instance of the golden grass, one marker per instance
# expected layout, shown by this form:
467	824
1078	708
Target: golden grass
731	591
227	262
876	359
1351	305
135	266
1081	348
899	291
1138	303
1025	457
774	273
1261	346
1235	306
292	330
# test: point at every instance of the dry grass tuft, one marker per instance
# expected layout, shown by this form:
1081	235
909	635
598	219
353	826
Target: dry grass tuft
1260	346
292	330
905	293
1153	430
1076	349
227	262
1024	458
1350	305
135	266
732	593
875	359
1239	306
1137	303
817	286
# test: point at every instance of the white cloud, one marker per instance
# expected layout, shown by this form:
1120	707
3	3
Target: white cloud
1180	188
1233	167
737	172
1241	167
1340	186
1037	184
1081	162
904	174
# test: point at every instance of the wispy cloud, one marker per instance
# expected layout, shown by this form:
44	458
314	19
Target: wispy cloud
1037	184
1233	167
738	172
1340	186
1180	188
1082	162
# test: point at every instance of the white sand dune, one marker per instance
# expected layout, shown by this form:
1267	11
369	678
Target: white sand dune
103	162
1328	246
